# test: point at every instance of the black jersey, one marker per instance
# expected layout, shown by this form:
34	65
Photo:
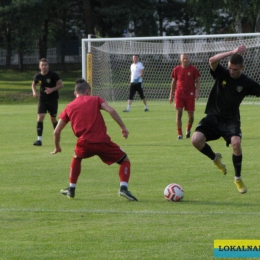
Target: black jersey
49	80
227	93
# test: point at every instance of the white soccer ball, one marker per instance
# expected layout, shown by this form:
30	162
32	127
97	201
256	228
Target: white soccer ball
174	192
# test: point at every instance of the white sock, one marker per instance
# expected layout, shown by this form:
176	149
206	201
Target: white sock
123	183
40	138
73	185
128	107
237	178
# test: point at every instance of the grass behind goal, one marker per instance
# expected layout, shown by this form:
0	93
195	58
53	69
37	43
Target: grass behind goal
39	223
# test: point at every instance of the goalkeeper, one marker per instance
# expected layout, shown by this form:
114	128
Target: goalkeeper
137	72
222	110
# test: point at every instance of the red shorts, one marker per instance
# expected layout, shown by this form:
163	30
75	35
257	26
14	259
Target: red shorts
108	152
187	103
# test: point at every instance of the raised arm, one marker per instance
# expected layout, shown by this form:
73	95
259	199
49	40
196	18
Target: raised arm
214	60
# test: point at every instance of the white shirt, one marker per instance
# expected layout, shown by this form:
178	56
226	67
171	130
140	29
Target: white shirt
135	71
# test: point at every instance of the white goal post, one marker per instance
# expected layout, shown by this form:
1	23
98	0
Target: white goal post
106	62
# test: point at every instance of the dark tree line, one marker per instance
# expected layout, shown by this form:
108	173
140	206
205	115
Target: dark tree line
30	24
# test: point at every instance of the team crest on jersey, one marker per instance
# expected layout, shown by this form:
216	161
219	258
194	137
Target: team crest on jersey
40	82
188	73
223	83
239	88
48	80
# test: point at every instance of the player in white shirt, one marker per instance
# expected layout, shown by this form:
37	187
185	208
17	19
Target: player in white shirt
137	72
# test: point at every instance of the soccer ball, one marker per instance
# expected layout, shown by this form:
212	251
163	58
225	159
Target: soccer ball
174	192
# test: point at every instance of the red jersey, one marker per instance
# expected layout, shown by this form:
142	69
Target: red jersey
185	78
86	119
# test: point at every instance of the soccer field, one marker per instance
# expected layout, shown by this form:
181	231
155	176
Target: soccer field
39	223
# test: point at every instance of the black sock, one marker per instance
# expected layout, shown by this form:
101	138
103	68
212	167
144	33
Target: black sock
39	128
206	150
237	162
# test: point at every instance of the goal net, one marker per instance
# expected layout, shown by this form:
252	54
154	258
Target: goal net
106	62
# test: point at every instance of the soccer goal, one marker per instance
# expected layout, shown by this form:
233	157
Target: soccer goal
106	62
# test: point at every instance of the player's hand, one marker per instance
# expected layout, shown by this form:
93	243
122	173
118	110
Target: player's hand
240	49
171	98
35	95
125	133
56	150
48	90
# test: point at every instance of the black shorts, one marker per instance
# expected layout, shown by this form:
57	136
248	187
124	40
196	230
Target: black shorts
214	127
136	87
50	106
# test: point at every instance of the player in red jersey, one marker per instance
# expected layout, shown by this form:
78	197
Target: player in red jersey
185	88
89	127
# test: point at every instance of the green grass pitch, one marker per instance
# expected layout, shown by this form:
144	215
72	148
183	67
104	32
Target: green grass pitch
39	223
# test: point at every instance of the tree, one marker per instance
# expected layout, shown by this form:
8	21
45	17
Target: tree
245	12
5	28
143	18
14	21
88	7
112	17
176	18
234	16
206	11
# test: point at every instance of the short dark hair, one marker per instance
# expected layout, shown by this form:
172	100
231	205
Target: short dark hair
236	59
81	86
80	80
43	60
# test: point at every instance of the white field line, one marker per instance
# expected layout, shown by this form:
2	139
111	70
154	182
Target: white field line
135	212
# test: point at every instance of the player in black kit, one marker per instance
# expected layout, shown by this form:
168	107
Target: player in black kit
50	83
222	110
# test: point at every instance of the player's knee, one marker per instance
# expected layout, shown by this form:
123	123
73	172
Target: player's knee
123	159
77	157
236	142
198	140
127	159
40	117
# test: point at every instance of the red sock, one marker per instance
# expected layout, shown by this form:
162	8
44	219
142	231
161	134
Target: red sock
124	171
75	169
189	127
179	131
